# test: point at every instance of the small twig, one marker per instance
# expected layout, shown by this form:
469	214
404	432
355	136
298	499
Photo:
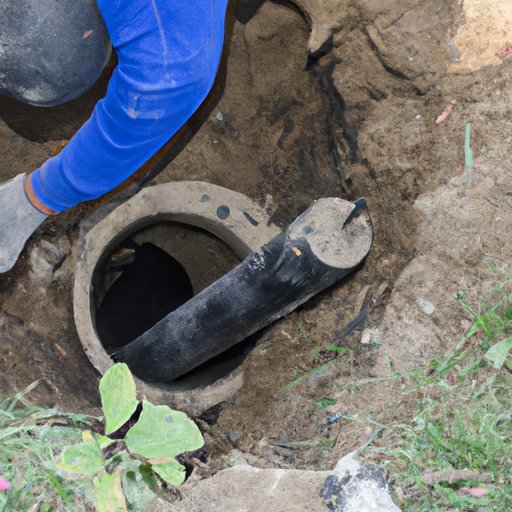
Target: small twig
370	301
296	444
56	420
20	396
431	477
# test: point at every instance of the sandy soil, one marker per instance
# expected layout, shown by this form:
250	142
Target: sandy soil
480	36
360	121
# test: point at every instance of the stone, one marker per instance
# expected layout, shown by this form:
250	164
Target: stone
426	306
249	489
357	487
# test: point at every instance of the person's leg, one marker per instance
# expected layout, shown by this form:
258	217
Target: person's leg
51	51
168	52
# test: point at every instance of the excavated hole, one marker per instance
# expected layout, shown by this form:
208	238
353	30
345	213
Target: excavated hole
153	272
281	135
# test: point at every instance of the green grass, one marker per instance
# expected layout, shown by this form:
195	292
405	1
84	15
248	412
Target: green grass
463	421
30	438
471	432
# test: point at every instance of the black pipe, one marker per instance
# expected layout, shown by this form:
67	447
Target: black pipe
320	247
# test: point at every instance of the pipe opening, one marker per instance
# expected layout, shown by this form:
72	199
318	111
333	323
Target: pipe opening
147	274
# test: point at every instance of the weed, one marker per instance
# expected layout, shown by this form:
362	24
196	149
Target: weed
142	444
325	354
330	350
311	373
306	335
488	328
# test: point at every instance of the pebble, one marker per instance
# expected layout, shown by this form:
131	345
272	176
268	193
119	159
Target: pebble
426	306
234	436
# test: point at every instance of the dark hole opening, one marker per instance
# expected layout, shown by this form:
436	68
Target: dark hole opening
151	273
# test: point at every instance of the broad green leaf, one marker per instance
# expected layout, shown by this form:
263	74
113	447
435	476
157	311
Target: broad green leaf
118	396
162	432
109	493
136	491
498	354
172	472
81	460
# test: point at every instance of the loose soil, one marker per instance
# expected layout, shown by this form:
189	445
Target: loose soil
285	129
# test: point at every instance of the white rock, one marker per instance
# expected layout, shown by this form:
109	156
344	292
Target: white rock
426	306
357	487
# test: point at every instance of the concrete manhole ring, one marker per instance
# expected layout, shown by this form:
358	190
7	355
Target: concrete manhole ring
231	217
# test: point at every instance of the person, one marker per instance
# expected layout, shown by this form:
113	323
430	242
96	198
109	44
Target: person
168	55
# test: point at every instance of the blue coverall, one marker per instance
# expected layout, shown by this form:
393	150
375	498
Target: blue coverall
168	55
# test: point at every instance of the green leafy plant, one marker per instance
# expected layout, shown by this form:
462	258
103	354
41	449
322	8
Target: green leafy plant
139	447
325	403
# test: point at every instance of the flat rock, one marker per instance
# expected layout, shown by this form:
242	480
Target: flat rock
249	489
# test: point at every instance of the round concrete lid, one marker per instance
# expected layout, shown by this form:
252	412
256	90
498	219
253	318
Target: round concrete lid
232	217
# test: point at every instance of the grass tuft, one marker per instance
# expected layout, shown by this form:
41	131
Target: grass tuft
30	438
460	441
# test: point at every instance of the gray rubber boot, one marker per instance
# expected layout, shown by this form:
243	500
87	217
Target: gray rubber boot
18	220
